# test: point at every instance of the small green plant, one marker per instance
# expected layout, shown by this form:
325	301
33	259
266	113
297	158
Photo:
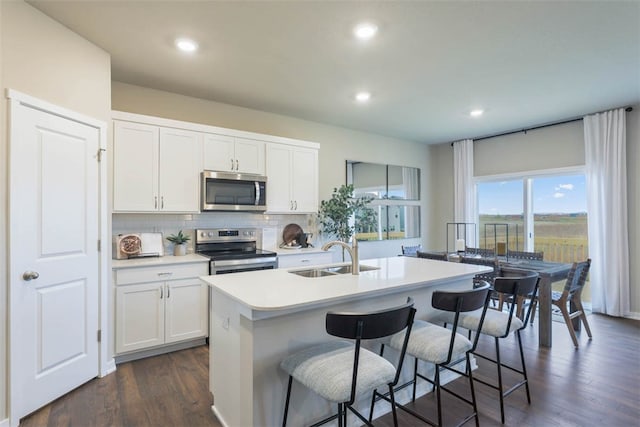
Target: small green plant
179	238
336	213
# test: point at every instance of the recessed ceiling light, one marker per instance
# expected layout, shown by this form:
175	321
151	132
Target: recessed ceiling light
186	45
365	31
363	97
476	113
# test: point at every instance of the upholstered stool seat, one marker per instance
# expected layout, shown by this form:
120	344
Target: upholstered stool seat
327	369
495	322
430	342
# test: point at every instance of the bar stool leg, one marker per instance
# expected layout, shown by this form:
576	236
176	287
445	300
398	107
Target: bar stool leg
499	365
286	404
393	406
473	391
524	368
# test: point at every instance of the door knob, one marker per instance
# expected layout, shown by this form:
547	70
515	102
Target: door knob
30	275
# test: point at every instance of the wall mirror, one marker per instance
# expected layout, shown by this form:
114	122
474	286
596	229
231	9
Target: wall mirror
396	199
384	181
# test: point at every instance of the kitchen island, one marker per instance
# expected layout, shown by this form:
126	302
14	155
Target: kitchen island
258	318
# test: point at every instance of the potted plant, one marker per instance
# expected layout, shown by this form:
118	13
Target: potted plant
337	216
179	240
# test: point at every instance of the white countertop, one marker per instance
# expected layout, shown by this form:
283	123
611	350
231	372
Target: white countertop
274	290
159	261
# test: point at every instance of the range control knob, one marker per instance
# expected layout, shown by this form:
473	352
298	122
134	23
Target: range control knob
211	234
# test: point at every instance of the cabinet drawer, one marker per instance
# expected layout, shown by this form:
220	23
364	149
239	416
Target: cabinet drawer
303	260
127	276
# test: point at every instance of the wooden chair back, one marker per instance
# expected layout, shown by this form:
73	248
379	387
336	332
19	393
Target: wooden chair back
432	255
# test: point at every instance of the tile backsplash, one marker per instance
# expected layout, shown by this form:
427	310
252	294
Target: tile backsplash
171	224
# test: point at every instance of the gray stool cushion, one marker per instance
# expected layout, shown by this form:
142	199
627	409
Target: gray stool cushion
495	322
430	342
327	369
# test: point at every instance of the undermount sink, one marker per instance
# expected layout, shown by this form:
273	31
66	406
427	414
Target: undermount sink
331	271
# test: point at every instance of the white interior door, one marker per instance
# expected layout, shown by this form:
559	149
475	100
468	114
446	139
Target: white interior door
53	256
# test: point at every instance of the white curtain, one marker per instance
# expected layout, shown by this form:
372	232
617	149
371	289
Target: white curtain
605	158
464	193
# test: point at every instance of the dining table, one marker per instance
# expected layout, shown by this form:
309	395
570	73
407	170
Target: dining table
549	273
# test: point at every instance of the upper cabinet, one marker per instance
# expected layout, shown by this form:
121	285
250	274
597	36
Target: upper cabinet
156	169
157	164
233	154
292	179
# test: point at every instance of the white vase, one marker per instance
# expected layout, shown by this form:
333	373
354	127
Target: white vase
179	250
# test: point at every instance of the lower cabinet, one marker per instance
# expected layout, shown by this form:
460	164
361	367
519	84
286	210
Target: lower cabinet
159	313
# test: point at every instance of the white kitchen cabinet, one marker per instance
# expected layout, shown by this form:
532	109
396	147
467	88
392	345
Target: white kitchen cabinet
304	259
156	169
233	154
160	305
292	179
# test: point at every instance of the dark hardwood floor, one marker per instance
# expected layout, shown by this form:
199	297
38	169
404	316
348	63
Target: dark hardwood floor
595	385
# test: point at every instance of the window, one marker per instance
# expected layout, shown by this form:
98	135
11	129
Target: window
542	212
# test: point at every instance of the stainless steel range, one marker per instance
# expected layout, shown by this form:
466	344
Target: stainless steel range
233	250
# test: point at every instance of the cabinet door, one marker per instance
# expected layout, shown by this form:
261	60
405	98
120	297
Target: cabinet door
135	167
249	155
219	153
180	167
278	178
186	310
139	316
304	180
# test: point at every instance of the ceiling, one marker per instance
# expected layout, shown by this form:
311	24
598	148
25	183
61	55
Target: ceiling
430	64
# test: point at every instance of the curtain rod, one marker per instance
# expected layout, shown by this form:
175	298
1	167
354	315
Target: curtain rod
525	130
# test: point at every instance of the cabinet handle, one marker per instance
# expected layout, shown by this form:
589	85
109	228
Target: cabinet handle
296	205
237	165
161	291
168	291
155	202
168	273
231	164
162	202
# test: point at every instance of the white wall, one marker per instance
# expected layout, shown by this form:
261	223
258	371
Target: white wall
548	148
336	144
44	59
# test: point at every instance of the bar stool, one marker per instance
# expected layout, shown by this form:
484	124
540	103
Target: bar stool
499	324
443	347
340	370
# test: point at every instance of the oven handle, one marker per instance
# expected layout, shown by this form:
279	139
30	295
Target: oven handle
242	262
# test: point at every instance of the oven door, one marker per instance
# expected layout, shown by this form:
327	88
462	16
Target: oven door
223	191
240	265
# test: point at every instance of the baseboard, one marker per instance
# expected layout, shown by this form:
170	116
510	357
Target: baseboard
633	315
128	357
4	423
109	367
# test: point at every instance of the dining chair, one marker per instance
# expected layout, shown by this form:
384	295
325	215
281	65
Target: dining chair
410	250
483	252
532	256
341	370
445	348
432	255
500	324
569	301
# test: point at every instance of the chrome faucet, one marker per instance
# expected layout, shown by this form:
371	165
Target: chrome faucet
353	251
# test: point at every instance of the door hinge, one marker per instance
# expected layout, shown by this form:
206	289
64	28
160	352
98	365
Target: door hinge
99	154
99	335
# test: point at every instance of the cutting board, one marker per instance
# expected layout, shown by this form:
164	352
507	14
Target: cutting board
152	244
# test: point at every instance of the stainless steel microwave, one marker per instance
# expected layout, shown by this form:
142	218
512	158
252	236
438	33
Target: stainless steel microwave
224	191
